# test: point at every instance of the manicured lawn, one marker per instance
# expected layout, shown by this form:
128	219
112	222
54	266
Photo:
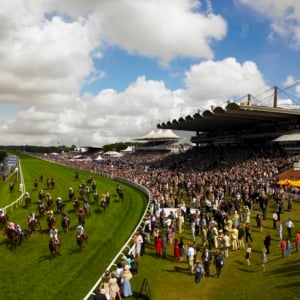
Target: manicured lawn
170	280
30	273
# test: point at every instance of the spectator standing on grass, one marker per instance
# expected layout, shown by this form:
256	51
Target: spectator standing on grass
248	232
297	240
283	246
288	247
263	259
241	237
176	250
248	254
279	229
198	269
275	219
267	242
206	260
289	226
181	248
190	252
114	289
219	263
125	280
158	244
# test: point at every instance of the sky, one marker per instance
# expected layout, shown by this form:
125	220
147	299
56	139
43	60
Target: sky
96	72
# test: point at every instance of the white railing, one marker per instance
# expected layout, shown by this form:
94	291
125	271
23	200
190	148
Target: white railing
20	178
128	244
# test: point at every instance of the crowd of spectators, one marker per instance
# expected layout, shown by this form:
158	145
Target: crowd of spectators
212	188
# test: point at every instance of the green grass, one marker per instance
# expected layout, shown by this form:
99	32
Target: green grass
29	273
170	280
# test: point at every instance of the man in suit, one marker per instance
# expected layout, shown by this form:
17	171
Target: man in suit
206	260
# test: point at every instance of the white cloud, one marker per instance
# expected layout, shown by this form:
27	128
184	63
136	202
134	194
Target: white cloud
284	17
47	52
219	81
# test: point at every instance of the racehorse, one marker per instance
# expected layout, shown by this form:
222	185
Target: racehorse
59	204
41	194
41	208
80	240
76	203
36	184
81	217
87	208
14	238
104	204
3	220
34	224
54	248
27	199
51	220
49	200
65	223
120	193
52	182
71	194
96	197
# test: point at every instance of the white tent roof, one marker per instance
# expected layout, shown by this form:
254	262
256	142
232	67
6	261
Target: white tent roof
288	138
99	157
161	134
113	154
128	149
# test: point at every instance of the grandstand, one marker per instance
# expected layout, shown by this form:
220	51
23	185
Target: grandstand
242	123
160	141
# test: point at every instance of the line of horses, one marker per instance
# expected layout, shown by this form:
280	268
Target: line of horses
81	206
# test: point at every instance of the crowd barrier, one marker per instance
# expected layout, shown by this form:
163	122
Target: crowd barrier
129	245
19	175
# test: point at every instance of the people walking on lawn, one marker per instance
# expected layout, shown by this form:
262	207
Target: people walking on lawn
263	259
297	240
288	247
248	233
241	237
275	219
289	226
206	260
199	272
190	253
248	254
283	246
219	263
279	229
176	250
181	248
267	242
125	280
158	244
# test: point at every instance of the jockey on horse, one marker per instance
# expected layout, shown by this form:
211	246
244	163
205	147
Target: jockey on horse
49	200
80	236
65	222
3	218
53	233
59	204
32	221
80	231
71	193
87	207
27	198
51	218
81	217
41	207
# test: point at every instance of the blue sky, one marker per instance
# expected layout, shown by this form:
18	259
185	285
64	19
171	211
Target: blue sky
101	72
